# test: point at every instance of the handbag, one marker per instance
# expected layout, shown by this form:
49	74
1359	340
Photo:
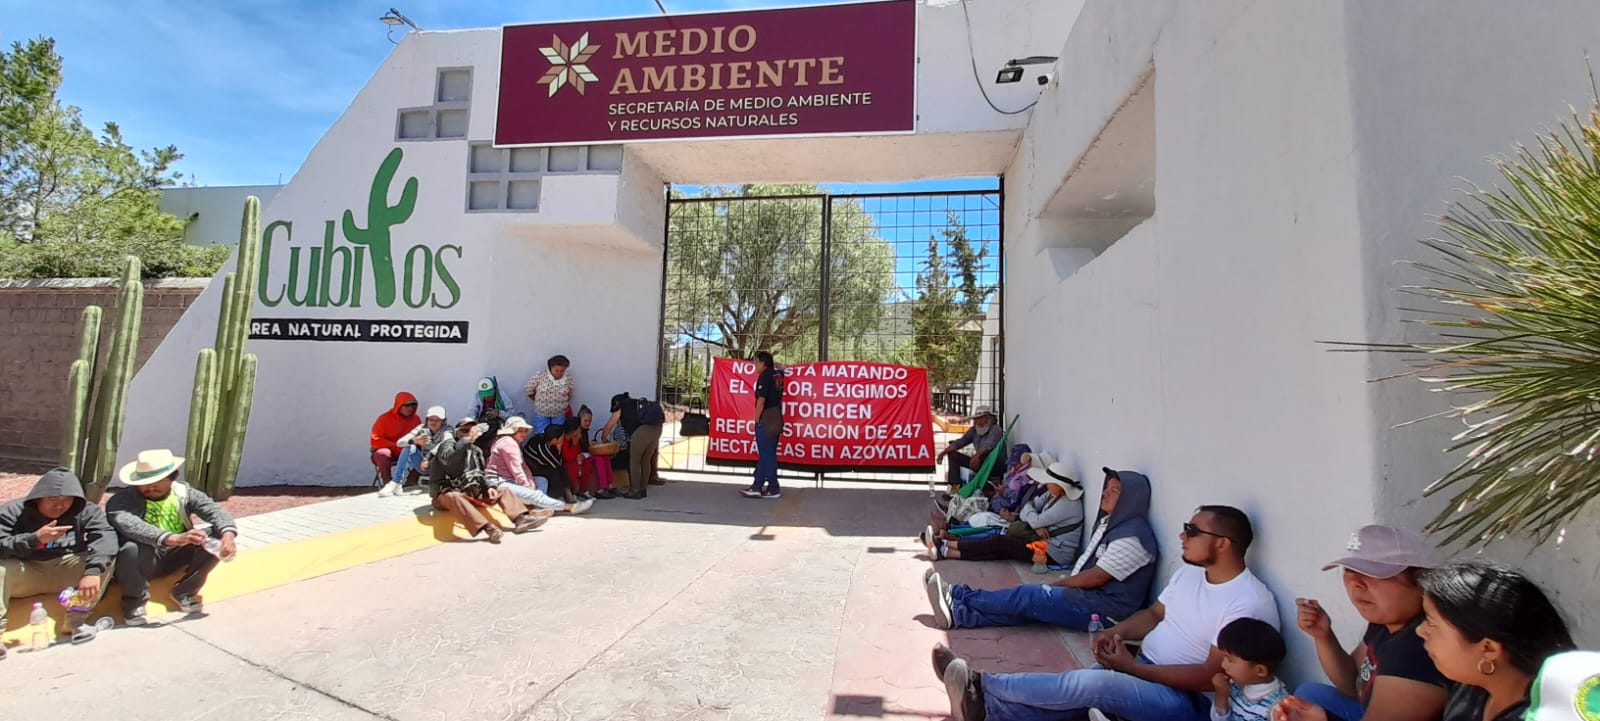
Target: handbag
598	447
694	424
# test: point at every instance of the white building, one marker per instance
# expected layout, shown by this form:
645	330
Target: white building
212	211
1203	194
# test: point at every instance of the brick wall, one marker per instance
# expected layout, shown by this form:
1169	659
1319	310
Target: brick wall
39	342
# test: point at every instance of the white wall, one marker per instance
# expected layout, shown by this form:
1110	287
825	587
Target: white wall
1428	117
213	212
1299	149
1188	349
578	277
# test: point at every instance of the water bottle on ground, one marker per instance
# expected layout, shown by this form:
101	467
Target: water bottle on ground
1095	626
36	620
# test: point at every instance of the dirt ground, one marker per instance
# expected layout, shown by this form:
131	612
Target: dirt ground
17	479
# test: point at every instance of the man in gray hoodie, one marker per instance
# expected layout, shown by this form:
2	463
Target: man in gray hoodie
154	516
51	539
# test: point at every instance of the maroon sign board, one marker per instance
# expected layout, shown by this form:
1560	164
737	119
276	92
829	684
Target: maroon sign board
824	70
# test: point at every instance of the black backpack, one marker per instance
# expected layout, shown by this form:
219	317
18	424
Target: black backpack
650	413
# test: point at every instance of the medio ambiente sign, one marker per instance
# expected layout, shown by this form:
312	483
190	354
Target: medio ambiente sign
840	69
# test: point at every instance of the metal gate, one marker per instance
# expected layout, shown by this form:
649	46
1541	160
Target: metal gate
911	278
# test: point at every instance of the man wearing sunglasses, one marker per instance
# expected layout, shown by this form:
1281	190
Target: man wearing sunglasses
1179	657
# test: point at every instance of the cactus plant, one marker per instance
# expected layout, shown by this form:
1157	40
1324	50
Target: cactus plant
224	376
80	385
89	440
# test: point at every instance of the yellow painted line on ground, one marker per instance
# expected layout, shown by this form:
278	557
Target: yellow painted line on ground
678	454
270	567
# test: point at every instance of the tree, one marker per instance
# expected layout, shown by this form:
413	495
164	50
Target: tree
73	203
1513	295
945	302
746	275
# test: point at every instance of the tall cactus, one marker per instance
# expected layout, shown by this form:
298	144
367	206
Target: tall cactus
224	377
80	386
105	426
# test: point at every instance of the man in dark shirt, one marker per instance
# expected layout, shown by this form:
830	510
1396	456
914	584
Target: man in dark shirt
983	437
1389	669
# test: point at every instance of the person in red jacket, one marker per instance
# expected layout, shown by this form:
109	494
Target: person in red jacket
387	430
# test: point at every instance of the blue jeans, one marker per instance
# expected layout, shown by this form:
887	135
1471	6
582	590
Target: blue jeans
534	497
1069	695
1339	706
1020	606
542	422
766	477
409	458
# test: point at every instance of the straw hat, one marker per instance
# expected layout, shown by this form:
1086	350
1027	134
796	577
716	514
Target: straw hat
150	467
1058	474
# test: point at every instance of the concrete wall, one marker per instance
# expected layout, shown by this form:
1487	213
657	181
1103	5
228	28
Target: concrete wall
41	321
580	276
213	212
1426	125
1298	153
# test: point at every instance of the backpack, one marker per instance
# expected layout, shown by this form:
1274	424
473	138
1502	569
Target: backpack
650	413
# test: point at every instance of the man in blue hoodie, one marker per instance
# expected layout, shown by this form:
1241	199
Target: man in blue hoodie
51	539
1112	580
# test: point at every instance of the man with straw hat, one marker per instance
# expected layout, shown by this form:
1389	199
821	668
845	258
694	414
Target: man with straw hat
153	515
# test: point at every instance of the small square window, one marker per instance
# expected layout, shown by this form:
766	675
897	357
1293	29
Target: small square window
522	195
483	195
527	160
566	160
486	159
414	124
455	86
605	157
452	124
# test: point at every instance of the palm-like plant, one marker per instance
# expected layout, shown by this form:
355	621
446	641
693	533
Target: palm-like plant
1518	339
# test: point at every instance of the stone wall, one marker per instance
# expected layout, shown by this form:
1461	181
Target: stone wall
39	324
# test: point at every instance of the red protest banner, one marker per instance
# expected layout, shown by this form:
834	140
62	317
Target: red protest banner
838	416
836	69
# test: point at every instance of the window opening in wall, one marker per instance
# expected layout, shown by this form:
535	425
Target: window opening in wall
1112	187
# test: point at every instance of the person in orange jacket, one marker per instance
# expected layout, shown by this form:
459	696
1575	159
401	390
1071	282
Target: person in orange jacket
387	430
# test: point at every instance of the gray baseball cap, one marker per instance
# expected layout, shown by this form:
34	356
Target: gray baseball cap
1385	552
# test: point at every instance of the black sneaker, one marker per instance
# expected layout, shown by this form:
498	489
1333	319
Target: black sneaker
942	657
135	617
606	494
527	522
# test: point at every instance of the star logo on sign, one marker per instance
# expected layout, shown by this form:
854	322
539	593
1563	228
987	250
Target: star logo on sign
569	64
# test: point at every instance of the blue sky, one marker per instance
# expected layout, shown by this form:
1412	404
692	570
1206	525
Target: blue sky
245	89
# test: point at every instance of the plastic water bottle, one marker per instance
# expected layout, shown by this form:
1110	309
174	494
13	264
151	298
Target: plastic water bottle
37	619
1095	626
213	546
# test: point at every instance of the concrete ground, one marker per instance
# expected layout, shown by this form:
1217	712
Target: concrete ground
693	604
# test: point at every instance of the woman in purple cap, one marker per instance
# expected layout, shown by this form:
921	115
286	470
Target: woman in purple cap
1389	669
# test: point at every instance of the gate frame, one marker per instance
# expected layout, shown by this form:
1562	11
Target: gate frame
825	312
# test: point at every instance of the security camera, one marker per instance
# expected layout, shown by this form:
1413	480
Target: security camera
1047	78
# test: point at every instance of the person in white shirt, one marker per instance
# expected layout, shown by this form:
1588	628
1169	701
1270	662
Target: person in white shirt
1175	667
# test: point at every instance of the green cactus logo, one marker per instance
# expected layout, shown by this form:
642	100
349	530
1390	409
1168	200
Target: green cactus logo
367	254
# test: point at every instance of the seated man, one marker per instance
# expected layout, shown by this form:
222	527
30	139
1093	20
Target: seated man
387	431
457	483
490	405
152	517
508	472
51	539
1177	663
415	446
983	437
1111	580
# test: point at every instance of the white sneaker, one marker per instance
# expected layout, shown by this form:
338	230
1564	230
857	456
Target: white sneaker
389	489
582	506
939	599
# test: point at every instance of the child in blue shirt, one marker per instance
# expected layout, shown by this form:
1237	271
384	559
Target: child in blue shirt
1247	688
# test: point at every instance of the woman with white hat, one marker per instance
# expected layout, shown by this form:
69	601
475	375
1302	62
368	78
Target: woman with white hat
1054	517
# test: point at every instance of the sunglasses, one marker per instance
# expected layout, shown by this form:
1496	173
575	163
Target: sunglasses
1190	531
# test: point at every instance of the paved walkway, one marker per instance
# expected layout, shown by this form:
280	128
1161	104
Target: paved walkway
693	604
